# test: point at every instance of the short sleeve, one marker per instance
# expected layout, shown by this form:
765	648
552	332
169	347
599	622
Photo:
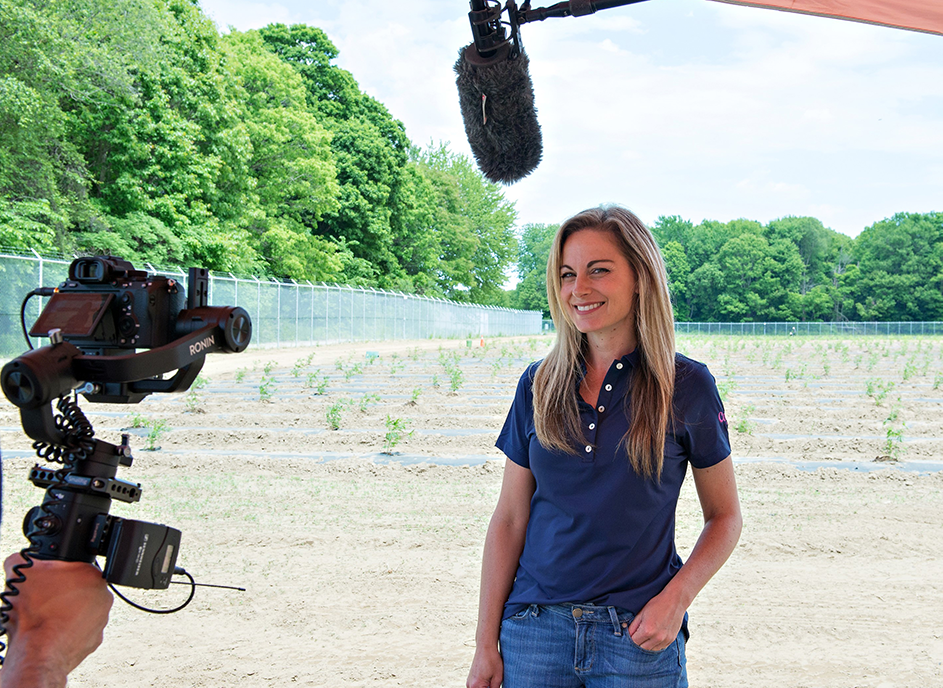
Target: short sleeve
514	438
701	424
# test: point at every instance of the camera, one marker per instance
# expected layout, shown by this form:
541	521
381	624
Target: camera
97	321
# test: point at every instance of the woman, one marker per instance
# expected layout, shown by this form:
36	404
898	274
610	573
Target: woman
581	584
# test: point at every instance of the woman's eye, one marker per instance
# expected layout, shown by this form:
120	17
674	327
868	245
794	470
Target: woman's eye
567	275
600	270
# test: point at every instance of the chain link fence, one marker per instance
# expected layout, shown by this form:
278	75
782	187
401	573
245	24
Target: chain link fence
284	313
834	329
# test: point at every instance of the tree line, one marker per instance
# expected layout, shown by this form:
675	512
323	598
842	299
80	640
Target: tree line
134	127
793	268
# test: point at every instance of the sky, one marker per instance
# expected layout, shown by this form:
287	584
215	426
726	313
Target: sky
671	107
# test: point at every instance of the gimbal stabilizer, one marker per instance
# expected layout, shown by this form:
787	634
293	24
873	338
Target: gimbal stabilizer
96	320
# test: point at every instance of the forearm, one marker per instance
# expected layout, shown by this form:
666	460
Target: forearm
25	666
503	546
713	548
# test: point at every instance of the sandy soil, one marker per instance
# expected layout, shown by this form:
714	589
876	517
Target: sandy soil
361	568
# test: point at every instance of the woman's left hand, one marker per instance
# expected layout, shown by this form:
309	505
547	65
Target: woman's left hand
657	625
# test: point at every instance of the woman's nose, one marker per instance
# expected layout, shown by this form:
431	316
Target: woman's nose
581	285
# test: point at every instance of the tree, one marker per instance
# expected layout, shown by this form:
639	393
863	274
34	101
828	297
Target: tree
535	243
474	222
290	160
899	273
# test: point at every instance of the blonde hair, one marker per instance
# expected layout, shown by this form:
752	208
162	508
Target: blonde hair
556	415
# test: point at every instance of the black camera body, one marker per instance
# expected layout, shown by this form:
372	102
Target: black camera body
96	320
107	304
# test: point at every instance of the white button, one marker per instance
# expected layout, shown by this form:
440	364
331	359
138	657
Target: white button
602	408
608	388
618	366
592	426
588	448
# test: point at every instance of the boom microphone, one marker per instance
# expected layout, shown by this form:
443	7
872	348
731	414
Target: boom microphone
496	97
495	92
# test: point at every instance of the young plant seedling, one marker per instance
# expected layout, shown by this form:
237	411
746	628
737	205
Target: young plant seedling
368	399
334	414
395	432
317	381
745	425
157	429
267	388
194	400
455	378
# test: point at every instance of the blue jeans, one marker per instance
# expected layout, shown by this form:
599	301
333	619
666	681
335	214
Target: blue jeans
577	645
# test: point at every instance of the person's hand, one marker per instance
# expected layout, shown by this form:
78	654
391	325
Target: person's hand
57	620
657	625
487	669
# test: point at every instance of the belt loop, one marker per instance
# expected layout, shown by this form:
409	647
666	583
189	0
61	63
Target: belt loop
616	627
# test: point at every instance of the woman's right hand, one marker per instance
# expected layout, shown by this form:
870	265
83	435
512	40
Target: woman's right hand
487	669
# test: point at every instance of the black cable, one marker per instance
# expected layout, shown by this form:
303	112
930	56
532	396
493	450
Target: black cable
77	432
12	591
177	571
42	291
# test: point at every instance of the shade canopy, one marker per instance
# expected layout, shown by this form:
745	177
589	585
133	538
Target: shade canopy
916	15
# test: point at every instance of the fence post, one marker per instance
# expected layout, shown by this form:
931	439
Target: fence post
258	305
39	286
278	312
235	290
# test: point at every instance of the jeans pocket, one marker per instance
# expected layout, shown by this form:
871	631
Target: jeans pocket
522	614
652	653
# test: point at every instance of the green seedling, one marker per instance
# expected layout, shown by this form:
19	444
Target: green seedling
157	429
745	425
355	369
414	399
724	388
267	388
194	400
877	389
435	381
910	369
937	381
455	378
241	375
138	420
268	367
317	381
893	444
334	414
368	399
395	432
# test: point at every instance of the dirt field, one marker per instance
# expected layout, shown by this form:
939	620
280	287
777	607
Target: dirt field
361	567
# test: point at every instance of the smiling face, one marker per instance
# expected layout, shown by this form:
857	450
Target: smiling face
598	287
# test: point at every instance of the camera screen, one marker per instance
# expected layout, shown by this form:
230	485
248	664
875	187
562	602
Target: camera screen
76	314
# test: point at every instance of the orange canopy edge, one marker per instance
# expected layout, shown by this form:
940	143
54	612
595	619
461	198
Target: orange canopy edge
915	15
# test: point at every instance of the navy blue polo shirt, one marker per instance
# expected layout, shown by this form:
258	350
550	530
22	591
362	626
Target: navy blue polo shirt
598	532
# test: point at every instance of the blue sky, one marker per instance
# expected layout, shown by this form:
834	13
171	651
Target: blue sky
672	107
